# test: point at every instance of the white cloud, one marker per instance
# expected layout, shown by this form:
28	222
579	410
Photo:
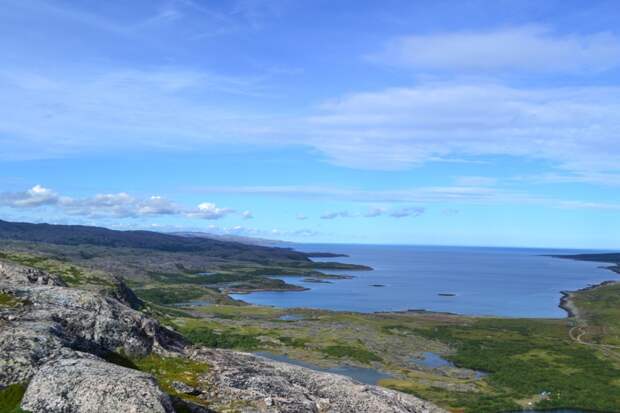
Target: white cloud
301	217
34	197
114	205
208	210
529	48
247	215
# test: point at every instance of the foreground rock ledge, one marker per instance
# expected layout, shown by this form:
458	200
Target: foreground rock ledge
54	342
273	386
88	385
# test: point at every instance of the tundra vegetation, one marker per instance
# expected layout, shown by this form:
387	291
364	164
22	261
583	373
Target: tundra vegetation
496	364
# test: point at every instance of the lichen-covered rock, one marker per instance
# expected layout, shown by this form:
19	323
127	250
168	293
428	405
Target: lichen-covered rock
58	318
20	275
273	387
83	384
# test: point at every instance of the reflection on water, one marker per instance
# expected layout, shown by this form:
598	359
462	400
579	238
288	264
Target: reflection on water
291	317
361	374
435	361
432	360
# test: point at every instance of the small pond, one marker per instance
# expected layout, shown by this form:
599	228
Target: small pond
291	317
434	361
361	374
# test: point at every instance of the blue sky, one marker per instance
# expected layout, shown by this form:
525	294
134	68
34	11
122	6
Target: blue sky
422	122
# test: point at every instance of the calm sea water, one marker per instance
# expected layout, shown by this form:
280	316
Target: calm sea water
512	282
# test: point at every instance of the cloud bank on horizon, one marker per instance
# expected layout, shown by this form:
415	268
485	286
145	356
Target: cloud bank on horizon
387	112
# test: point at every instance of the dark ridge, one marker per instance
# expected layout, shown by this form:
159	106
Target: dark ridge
81	234
611	257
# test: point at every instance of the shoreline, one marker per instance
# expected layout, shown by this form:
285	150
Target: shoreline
567	304
566	300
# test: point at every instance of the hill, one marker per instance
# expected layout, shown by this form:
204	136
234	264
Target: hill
104	237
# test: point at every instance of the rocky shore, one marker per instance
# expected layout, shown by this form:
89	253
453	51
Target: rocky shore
567	304
56	340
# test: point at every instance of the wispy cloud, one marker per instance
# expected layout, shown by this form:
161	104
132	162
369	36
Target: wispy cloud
472	195
374	212
530	48
407	212
397	128
338	214
574	129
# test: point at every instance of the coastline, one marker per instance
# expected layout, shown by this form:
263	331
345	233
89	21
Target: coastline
567	304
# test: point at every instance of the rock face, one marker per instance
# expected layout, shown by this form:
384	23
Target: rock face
19	275
271	387
82	384
59	320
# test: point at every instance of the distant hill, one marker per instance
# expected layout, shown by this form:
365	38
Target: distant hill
611	257
88	235
231	238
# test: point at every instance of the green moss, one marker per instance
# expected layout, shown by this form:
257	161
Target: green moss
211	338
7	300
11	397
169	369
350	352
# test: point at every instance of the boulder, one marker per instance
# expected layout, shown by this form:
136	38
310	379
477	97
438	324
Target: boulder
57	319
84	384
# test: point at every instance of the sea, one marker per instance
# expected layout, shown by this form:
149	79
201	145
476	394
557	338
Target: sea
485	281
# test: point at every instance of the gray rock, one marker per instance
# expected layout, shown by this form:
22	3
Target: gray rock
20	275
88	385
59	319
185	389
269	387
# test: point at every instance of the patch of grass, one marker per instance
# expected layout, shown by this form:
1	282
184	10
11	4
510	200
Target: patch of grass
208	337
7	300
11	397
168	295
601	309
528	357
169	369
354	353
470	402
293	342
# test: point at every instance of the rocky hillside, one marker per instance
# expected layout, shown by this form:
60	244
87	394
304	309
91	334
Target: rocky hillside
75	351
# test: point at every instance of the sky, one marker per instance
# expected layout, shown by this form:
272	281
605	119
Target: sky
405	122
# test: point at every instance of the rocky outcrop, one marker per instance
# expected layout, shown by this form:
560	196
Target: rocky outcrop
57	319
13	274
83	384
271	387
